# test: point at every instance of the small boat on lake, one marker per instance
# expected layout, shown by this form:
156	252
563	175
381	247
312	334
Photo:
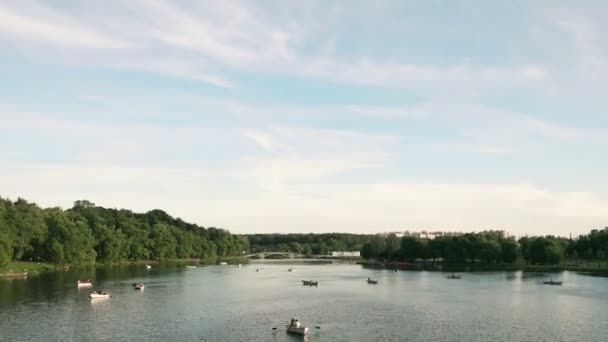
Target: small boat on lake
296	328
291	269
190	266
552	282
239	266
259	269
223	263
148	266
453	276
99	295
372	281
139	286
310	283
84	283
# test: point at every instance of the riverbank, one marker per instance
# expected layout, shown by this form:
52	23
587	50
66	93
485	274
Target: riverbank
597	267
20	269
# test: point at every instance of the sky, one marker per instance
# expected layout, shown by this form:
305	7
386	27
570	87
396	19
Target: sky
311	116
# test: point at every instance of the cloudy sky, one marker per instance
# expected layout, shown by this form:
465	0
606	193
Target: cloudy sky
311	116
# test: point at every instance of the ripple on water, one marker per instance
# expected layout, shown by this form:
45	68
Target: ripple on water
239	304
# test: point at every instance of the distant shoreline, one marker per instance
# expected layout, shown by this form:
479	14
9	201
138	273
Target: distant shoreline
600	267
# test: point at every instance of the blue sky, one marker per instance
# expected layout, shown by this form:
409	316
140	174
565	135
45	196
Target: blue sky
311	116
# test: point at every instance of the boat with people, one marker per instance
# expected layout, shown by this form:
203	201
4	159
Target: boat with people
310	283
372	281
84	283
291	269
453	276
552	282
148	266
99	295
296	328
259	269
139	286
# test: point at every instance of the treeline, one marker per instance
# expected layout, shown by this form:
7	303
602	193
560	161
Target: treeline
87	233
307	244
489	247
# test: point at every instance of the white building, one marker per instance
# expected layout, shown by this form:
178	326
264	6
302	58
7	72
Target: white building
346	254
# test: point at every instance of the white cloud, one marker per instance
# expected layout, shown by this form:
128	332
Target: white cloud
231	201
193	41
472	147
56	29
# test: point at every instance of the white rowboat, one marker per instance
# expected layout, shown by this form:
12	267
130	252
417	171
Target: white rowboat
96	295
84	283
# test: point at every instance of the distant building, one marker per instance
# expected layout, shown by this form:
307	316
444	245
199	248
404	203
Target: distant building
346	254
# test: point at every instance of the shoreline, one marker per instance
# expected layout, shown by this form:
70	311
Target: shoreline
24	269
584	267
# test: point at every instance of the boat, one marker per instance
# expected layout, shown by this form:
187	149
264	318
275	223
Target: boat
148	266
259	269
85	283
99	295
239	266
189	266
396	270
223	263
372	281
296	328
453	276
291	269
552	282
310	283
139	286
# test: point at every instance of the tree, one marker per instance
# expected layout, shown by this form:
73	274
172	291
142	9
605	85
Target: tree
6	251
393	244
510	251
490	251
412	248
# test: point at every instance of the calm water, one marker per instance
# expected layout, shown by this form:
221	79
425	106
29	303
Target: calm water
225	303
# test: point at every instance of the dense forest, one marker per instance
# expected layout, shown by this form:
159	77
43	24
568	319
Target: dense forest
307	244
489	247
87	233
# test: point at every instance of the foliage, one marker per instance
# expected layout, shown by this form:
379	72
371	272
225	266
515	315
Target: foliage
87	233
307	244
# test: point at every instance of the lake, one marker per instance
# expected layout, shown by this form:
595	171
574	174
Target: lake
226	303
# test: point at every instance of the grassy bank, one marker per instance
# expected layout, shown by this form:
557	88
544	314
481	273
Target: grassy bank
32	268
18	268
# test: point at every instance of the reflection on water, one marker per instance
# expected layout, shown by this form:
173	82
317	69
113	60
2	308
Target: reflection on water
225	303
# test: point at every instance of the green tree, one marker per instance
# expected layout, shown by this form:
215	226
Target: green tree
490	251
510	251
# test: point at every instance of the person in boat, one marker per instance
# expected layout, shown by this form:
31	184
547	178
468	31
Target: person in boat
297	323
291	324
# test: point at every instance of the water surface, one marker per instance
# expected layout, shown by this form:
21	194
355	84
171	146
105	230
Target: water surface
226	303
